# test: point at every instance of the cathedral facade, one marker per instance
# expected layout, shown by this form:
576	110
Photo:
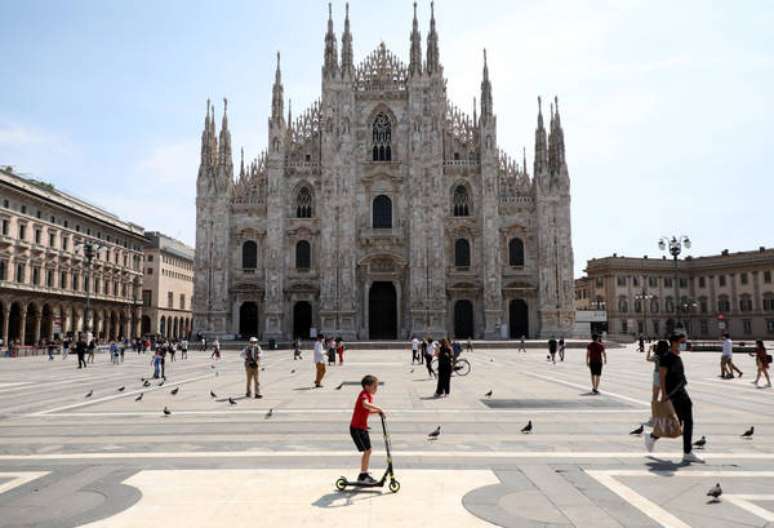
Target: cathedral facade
383	211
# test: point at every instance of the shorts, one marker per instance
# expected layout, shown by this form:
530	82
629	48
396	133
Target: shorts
596	369
361	438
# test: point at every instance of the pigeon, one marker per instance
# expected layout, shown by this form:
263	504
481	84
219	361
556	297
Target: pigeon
232	401
749	432
700	443
146	383
162	383
638	431
89	394
488	394
212	366
167	412
174	391
491	360
293	371
212	394
138	398
263	368
121	389
412	371
269	414
340	386
435	434
715	492
527	428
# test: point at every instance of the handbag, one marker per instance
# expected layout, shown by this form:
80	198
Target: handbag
665	421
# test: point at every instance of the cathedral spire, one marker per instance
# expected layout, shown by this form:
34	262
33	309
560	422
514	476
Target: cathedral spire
433	55
241	163
206	137
331	64
475	115
225	137
347	66
290	113
541	154
558	138
277	96
524	160
415	64
486	94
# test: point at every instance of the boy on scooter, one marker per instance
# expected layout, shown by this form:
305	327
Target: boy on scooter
358	427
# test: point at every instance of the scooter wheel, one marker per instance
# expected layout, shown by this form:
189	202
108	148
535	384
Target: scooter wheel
341	484
394	486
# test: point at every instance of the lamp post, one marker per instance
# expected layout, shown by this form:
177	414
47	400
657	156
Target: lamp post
675	246
644	297
90	250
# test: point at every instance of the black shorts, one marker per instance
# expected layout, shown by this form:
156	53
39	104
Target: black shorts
361	439
596	369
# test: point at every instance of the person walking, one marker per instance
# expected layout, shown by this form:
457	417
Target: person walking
595	358
80	350
92	345
184	349
172	347
215	349
156	364
727	366
552	350
762	361
252	355
331	344
340	350
673	382
65	348
319	360
51	347
428	353
561	348
469	347
415	350
114	353
297	349
445	359
641	344
523	345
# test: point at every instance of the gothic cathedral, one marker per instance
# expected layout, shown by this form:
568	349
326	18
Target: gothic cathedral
383	211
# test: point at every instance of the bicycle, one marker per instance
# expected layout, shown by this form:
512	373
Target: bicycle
461	367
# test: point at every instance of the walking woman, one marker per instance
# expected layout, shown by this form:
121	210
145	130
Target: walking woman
445	355
762	362
340	350
427	353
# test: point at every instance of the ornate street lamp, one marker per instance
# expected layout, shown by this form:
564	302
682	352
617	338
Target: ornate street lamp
675	246
90	250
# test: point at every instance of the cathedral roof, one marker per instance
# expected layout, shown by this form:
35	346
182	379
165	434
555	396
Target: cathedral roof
381	70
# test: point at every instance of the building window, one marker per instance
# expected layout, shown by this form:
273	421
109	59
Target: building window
724	305
768	302
24	209
63	280
703	305
683	283
745	303
770	326
37	236
667	282
20	273
106	288
304	203
51	240
767	277
635	281
36	276
743	278
669	305
147	297
461	201
22	232
65	243
96	284
462	253
249	255
621	280
638	306
6	204
656	328
182	301
702	282
5	227
623	305
516	252
50	278
599	282
722	281
654	305
170	300
303	255
382	212
149	271
149	258
624	326
75	281
653	282
2	270
382	138
747	325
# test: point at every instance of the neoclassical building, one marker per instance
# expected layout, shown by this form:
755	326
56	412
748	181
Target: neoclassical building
383	211
44	271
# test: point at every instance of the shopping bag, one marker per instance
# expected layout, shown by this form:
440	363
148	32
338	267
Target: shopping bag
665	421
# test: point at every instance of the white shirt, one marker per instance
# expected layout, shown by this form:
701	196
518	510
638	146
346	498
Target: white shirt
246	353
414	344
728	348
318	352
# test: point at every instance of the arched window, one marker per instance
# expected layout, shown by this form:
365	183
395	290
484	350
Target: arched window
654	305
303	255
382	138
304	203
249	255
516	252
745	303
382	212
669	305
461	201
623	305
637	306
461	253
724	305
768	302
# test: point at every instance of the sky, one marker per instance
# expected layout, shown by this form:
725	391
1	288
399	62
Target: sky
666	106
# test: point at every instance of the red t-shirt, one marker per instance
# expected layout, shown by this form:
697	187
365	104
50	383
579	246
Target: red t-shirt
360	414
595	350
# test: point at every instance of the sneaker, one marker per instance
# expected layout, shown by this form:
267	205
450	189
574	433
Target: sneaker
691	458
247	394
367	479
258	396
650	443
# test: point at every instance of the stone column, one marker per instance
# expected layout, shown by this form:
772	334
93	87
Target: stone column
38	323
6	322
22	323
